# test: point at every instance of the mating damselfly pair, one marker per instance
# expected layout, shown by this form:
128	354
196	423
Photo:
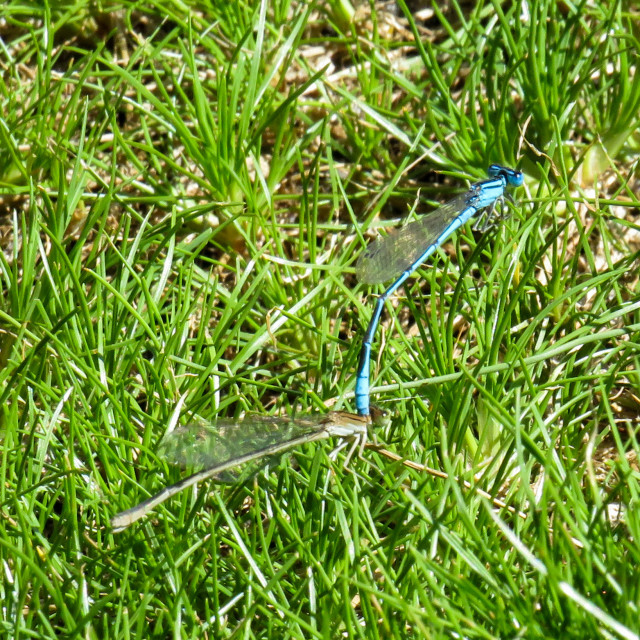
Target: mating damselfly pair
232	444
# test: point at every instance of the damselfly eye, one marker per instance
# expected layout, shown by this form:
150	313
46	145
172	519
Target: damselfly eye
380	417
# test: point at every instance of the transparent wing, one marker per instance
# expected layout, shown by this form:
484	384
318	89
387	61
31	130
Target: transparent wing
201	445
388	257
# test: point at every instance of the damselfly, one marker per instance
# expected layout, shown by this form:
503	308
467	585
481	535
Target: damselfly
404	251
228	444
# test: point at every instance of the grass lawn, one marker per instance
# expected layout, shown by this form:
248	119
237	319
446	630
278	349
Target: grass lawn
184	190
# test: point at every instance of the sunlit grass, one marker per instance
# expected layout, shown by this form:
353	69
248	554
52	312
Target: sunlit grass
184	191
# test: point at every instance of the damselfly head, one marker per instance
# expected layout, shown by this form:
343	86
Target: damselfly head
380	417
512	177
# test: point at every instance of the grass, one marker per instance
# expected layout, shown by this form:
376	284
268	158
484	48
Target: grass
184	190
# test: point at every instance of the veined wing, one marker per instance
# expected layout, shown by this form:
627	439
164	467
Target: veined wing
202	445
388	257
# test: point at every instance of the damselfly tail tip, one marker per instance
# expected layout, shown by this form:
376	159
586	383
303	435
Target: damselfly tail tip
117	526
